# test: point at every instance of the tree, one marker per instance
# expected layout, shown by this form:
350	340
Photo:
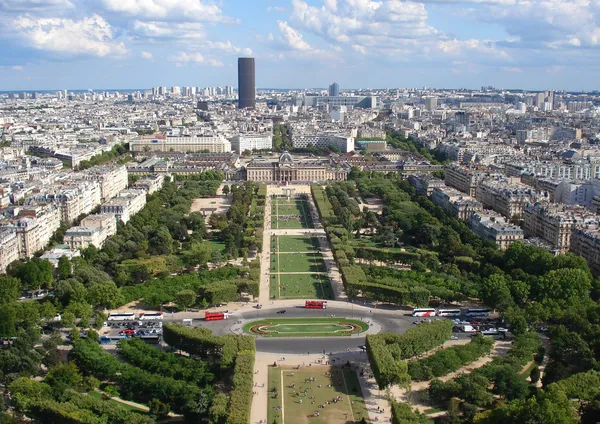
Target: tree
8	319
161	242
199	253
68	319
9	289
64	268
105	295
534	375
35	274
185	298
226	190
64	376
158	408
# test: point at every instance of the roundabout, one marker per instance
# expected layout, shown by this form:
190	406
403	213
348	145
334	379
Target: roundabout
305	327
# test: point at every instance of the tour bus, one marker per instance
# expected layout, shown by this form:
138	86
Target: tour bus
423	312
315	304
123	316
449	312
151	316
215	316
478	312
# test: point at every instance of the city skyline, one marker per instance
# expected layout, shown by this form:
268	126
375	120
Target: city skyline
533	45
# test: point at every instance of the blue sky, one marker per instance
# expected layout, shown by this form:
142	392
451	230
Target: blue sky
79	44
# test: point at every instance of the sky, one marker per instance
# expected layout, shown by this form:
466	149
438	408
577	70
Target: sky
92	44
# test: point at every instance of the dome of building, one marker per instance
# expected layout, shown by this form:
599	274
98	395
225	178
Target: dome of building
286	158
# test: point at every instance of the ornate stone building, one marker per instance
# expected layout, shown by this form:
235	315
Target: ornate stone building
296	170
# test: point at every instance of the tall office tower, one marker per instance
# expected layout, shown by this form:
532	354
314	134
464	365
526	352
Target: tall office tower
162	90
540	98
431	103
64	93
246	83
334	90
549	98
175	90
228	90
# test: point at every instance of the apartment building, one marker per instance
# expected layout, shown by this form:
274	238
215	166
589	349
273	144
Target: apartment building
82	237
127	204
150	184
463	179
507	199
425	184
191	143
34	227
493	227
112	179
555	223
456	203
585	242
9	247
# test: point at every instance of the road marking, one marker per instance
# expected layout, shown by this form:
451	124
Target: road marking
348	396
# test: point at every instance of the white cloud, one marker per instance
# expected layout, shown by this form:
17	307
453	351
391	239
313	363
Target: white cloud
17	68
91	36
275	9
182	58
168	10
511	69
146	55
183	31
34	5
293	38
228	47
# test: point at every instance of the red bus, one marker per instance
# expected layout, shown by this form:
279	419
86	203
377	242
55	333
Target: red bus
214	316
316	304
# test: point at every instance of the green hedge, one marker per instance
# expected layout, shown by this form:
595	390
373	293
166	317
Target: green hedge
322	203
584	386
449	360
240	398
201	342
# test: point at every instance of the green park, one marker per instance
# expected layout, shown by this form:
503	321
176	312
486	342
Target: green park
290	213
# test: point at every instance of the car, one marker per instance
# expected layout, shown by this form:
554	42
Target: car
453	337
283	311
416	322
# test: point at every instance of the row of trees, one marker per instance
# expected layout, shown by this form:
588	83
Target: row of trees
388	350
449	360
236	356
241	227
103	157
138	384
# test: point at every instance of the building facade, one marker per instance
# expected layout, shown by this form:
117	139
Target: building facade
183	144
243	142
291	170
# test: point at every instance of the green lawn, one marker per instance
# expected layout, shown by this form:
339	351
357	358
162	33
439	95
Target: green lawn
300	262
295	244
291	214
308	327
217	245
350	408
302	286
298	285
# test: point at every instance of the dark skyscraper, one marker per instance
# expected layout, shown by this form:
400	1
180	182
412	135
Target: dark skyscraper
334	90
246	87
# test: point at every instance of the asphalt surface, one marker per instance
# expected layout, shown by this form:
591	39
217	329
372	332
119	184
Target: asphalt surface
389	321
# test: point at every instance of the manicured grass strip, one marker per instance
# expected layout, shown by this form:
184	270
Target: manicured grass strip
304	286
305	327
349	407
